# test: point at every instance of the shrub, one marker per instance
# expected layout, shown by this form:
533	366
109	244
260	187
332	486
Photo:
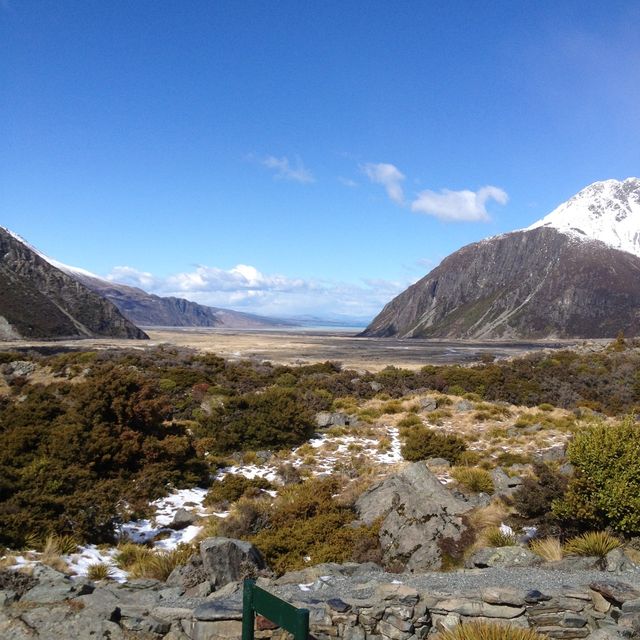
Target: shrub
306	520
474	479
488	631
550	549
409	421
605	489
421	443
276	417
593	543
232	487
534	498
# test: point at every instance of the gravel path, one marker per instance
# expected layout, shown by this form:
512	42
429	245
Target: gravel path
363	586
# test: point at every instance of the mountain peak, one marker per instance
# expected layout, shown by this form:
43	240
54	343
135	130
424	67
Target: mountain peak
608	211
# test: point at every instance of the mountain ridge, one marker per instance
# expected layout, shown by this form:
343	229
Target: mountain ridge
37	300
539	282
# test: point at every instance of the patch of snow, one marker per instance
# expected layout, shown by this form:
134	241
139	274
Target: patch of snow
608	211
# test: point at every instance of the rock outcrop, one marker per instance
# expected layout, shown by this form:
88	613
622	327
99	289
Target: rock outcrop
419	516
38	301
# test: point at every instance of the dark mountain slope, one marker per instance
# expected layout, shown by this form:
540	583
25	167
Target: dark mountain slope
39	301
536	283
150	310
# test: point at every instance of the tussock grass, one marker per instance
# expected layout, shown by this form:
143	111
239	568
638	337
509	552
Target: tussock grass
549	549
490	516
473	479
593	543
99	571
159	564
489	631
495	537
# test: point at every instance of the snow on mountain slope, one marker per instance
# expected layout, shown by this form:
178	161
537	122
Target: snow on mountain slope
608	211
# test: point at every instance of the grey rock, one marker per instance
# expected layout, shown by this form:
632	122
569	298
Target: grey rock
182	519
471	608
503	595
574	620
554	454
503	557
608	633
463	405
631	606
146	625
54	586
227	560
323	419
617	561
428	404
218	610
575	563
563	632
504	484
432	463
614	591
188	575
389	631
336	604
417	511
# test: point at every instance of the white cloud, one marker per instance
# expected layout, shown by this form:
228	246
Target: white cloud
458	206
245	288
284	170
347	182
389	176
132	277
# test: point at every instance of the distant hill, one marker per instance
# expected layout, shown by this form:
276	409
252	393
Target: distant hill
39	301
148	310
573	274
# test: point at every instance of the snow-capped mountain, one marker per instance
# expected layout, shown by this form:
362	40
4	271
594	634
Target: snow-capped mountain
608	211
573	274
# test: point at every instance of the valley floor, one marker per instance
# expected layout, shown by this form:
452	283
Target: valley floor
308	346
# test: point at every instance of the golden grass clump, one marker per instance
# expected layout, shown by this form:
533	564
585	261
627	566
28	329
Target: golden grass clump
490	516
549	549
495	537
99	571
159	564
129	553
593	543
489	631
473	479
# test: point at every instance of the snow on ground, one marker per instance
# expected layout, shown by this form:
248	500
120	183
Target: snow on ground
80	562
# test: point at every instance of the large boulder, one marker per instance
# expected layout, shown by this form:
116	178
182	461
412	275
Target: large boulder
419	517
227	560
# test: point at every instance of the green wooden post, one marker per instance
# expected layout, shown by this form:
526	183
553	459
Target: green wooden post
248	618
285	615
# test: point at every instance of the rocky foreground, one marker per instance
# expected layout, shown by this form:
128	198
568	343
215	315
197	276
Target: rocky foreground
203	600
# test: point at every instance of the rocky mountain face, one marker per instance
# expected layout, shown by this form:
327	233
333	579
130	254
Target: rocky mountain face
575	273
39	301
150	310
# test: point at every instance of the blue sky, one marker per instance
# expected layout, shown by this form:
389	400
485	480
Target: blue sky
303	157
